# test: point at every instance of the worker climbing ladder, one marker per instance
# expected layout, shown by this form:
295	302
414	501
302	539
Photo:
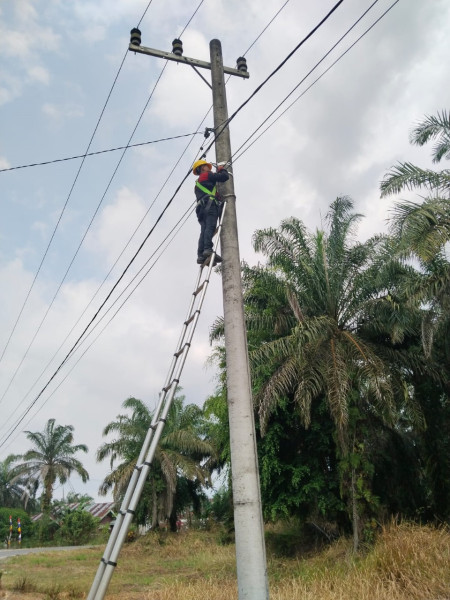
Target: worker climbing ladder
139	476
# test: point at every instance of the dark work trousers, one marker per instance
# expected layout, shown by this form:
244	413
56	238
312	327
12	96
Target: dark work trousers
208	221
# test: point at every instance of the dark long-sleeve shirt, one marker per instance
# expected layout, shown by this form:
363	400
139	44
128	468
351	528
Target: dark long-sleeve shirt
208	179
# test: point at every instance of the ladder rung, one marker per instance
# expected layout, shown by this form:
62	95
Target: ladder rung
180	352
191	318
200	287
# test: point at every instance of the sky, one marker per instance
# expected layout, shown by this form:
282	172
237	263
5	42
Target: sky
68	86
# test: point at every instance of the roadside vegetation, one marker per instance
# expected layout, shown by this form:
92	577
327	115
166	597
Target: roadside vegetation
406	562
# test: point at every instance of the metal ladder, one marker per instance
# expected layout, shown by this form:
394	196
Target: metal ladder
144	462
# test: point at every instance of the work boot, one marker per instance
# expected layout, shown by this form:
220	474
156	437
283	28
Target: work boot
217	258
200	260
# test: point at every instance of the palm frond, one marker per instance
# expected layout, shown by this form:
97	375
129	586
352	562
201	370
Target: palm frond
408	176
434	127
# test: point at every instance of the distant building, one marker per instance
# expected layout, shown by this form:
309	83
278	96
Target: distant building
101	510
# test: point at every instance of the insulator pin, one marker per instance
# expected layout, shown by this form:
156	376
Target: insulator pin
135	37
242	64
177	47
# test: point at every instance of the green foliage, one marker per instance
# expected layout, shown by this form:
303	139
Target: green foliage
298	467
221	506
17	513
51	459
77	526
46	529
182	464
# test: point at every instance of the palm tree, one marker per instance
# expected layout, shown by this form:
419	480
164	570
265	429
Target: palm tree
322	324
52	459
182	453
422	230
12	492
408	176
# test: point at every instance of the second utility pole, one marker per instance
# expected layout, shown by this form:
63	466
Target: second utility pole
248	522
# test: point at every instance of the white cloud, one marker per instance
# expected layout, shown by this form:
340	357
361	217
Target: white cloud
115	224
60	112
4	163
39	74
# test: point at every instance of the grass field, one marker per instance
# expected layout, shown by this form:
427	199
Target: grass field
407	562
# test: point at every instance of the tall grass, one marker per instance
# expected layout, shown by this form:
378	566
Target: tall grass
407	562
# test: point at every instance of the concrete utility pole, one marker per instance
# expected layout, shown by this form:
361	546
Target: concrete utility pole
249	529
248	522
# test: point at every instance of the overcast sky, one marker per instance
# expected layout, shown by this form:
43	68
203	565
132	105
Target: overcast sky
59	62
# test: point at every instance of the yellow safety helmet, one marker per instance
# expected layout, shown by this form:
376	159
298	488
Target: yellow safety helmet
199	163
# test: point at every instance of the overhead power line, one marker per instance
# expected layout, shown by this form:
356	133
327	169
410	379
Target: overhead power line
92	219
81	241
56	160
172	234
155	199
261	85
236	155
81	336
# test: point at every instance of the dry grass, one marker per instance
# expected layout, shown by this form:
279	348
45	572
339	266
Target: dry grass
408	562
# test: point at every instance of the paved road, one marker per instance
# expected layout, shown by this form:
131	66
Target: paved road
17	551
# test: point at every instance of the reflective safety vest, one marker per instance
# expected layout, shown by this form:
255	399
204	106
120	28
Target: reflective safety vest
203	203
210	193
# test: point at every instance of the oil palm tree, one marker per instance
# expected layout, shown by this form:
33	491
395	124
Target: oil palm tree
12	491
408	176
422	229
182	453
51	459
327	287
322	323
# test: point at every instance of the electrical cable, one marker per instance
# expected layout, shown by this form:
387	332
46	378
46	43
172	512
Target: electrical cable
183	221
101	306
261	85
97	210
50	162
81	242
166	205
313	83
90	223
98	289
67	200
193	15
136	229
263	31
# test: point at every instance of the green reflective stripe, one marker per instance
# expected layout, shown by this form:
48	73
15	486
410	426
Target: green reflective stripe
205	190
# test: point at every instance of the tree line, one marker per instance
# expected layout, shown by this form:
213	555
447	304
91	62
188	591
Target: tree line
349	347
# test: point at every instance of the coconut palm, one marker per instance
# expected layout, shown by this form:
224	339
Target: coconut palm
51	459
182	453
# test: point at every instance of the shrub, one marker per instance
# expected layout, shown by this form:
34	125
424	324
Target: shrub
77	527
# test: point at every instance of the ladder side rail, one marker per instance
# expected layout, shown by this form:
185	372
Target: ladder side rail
140	473
182	334
126	501
111	563
128	517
